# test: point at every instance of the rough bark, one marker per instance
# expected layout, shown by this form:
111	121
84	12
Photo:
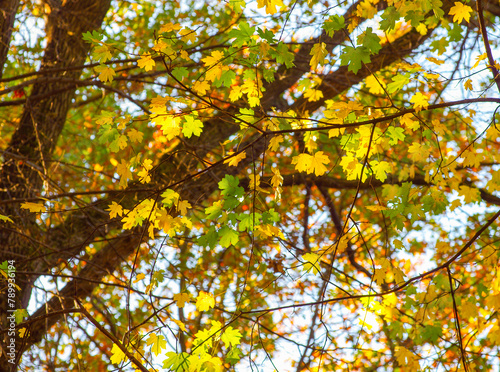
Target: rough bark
25	167
8	10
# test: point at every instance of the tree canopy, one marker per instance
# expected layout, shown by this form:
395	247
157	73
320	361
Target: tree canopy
249	185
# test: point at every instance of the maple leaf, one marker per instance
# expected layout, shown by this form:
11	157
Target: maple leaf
204	301
188	35
106	73
228	236
135	135
334	23
170	27
213	59
313	95
146	62
375	85
124	172
158	343
117	355
181	299
144	176
5	218
270	5
311	262
396	134
274	143
231	337
420	101
201	87
370	41
468	84
234	160
311	164
102	53
182	207
353	57
381	169
398	82
139	277
192	126
460	12
318	53
470	194
115	209
34	207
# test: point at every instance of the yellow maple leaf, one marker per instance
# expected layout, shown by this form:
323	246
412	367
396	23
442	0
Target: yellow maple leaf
170	27
146	62
188	35
318	53
144	176
106	73
182	206
201	87
204	301
181	299
115	209
460	12
135	135
435	60
274	143
311	262
213	59
117	355
480	58
234	160
23	332
470	194
313	95
139	277
375	85
312	164
420	101
270	5
181	325
158	343
124	172
407	121
468	84
34	207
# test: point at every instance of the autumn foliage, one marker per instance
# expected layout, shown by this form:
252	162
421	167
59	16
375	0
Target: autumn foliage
239	185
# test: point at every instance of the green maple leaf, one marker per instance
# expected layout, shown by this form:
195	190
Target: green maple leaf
226	79
440	45
176	362
209	239
396	134
389	18
430	333
370	41
334	23
243	34
267	35
398	82
230	186
353	57
228	236
282	55
180	73
233	356
92	37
